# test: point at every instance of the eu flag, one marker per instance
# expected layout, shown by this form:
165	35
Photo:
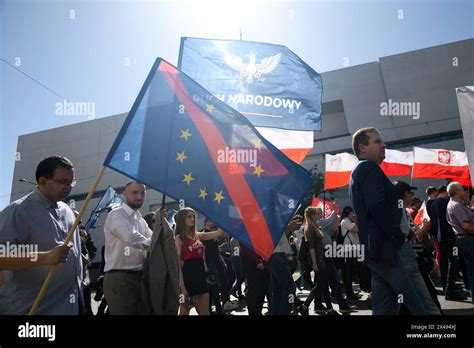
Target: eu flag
181	140
109	200
267	83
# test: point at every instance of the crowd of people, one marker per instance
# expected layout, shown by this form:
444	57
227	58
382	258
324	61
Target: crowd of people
152	266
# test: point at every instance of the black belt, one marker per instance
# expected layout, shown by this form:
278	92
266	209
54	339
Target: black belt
461	236
127	271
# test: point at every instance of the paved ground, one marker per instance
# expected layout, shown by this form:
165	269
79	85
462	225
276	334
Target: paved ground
449	307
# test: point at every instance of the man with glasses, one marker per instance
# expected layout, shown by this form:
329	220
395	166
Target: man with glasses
35	227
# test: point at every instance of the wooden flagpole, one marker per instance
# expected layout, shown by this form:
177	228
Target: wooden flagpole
68	239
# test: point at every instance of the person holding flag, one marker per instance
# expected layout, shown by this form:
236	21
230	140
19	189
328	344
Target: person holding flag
42	220
193	281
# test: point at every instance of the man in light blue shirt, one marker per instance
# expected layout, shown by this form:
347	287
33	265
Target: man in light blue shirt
32	231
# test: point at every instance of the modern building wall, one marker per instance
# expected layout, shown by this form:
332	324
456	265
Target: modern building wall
351	100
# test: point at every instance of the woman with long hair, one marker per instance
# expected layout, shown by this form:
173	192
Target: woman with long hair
193	282
324	269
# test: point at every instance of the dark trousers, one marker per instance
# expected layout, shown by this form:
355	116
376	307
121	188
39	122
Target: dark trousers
431	289
349	270
283	286
239	275
87	310
306	274
364	276
257	285
466	249
214	287
449	265
326	276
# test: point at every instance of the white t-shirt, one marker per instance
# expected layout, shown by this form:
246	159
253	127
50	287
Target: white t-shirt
352	237
299	236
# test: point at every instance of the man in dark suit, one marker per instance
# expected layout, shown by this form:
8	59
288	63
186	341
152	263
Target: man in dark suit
160	283
383	231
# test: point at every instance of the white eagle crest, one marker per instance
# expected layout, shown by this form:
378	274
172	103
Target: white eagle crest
252	70
444	157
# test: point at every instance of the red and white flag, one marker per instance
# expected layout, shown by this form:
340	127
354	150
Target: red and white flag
294	144
338	170
440	164
422	215
326	206
397	163
465	97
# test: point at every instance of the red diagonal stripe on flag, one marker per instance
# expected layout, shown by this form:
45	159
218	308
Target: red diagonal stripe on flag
236	185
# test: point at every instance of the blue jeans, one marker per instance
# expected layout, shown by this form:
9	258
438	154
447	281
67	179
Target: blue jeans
466	250
401	283
283	286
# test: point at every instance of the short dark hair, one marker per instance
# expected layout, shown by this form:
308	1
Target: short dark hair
346	211
430	190
415	201
149	219
401	187
361	136
442	189
132	181
47	166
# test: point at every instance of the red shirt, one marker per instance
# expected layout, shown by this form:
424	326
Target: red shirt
192	249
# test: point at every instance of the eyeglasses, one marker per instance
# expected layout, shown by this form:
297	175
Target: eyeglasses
64	183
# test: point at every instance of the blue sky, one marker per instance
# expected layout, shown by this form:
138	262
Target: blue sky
79	50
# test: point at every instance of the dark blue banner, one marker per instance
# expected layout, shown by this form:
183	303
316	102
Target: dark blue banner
268	84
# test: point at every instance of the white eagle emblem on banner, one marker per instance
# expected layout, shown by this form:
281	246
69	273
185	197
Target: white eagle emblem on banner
252	71
444	157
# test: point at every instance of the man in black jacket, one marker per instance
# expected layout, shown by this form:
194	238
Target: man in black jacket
383	228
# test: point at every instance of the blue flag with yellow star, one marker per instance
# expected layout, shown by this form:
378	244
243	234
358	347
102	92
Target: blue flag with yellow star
269	84
181	140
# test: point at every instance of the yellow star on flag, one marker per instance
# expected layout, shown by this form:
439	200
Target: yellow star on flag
258	144
181	156
185	134
188	178
210	107
258	170
219	197
203	193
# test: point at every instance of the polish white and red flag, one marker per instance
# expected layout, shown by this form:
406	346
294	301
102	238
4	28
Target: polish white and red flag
397	163
326	206
294	144
440	164
422	215
338	170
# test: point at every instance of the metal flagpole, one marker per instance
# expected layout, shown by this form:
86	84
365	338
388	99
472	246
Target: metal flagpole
66	242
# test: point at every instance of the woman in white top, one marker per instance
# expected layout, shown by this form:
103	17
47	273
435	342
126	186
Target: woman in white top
350	236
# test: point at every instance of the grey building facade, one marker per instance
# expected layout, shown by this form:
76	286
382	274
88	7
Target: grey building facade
352	99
